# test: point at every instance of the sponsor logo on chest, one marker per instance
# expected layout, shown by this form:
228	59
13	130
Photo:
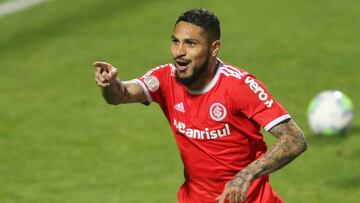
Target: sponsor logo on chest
201	134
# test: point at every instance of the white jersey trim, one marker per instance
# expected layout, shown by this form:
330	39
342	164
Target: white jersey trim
276	121
144	88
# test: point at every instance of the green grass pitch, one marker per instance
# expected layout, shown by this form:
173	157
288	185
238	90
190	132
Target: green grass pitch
61	143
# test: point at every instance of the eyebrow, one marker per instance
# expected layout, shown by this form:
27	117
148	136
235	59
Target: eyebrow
186	40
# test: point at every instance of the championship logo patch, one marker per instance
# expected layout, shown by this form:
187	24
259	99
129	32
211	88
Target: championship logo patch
217	111
152	83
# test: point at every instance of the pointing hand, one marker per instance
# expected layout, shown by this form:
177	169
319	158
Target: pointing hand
105	74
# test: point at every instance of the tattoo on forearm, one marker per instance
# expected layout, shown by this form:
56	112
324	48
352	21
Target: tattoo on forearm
133	93
291	143
114	93
123	92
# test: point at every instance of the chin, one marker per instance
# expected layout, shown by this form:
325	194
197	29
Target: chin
184	74
185	79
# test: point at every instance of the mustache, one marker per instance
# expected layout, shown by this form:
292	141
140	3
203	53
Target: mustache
181	60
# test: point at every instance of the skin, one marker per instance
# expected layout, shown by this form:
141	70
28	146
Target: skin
290	144
190	44
114	90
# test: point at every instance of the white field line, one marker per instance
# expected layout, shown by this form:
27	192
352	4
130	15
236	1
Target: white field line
13	6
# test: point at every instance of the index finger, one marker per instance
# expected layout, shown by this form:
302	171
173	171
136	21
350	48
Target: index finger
103	66
98	69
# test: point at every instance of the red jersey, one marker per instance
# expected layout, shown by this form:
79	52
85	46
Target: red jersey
217	129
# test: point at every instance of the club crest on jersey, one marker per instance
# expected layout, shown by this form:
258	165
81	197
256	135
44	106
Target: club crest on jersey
217	111
152	83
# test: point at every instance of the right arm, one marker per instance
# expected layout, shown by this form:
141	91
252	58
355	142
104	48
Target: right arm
113	89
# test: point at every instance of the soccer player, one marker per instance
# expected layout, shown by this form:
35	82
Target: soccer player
215	111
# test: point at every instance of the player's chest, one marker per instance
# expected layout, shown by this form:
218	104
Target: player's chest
204	110
204	116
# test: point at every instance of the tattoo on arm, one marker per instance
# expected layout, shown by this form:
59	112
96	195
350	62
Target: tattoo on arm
113	93
290	144
123	92
239	180
133	93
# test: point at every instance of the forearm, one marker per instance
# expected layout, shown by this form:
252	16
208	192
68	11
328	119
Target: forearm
278	156
113	93
114	90
291	143
121	92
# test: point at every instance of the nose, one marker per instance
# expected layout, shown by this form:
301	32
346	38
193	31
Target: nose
179	50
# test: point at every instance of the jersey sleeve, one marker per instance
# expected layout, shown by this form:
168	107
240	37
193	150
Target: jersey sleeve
153	84
256	103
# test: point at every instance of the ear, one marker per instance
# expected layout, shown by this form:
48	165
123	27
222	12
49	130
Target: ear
215	47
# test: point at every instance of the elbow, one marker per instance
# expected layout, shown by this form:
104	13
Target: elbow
302	144
298	144
304	147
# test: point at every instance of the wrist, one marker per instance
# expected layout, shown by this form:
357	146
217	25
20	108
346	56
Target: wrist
114	82
247	174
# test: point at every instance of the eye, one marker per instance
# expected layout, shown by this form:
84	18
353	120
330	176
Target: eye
191	43
175	41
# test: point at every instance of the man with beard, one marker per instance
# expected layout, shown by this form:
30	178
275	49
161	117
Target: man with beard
215	112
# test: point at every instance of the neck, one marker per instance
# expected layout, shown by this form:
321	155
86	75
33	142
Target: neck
206	78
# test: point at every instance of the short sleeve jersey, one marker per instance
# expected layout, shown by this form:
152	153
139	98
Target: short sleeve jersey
217	129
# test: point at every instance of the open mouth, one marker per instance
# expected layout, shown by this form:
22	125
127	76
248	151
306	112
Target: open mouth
182	64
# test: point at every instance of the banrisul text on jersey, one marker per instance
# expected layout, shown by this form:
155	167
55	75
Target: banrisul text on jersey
204	134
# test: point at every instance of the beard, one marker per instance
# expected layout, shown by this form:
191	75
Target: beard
199	71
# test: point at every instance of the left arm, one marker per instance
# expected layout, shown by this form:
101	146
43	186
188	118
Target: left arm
290	144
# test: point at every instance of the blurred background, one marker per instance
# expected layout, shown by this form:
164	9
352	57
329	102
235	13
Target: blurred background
60	142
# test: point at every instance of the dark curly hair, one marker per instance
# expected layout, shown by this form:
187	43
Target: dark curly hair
205	19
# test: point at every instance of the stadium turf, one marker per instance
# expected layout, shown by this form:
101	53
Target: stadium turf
60	142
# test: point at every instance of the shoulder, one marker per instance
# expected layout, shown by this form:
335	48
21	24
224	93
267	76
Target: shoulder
243	86
232	72
239	76
157	77
234	76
